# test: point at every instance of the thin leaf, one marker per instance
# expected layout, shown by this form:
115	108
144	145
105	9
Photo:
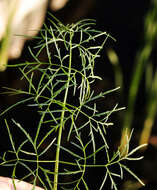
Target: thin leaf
133	174
18	103
46	149
10	137
70	152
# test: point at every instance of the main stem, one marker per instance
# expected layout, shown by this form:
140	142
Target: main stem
62	119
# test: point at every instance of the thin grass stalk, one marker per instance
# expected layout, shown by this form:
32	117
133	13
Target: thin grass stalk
118	75
151	113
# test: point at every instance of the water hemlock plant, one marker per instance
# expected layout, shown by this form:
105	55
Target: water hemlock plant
70	121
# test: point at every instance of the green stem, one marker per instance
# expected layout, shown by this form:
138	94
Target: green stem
62	119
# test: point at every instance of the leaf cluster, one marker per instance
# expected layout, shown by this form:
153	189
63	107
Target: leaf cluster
63	95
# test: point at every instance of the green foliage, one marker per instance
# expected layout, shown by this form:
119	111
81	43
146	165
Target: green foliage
62	96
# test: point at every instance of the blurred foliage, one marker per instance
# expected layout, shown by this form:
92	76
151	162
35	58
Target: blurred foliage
143	68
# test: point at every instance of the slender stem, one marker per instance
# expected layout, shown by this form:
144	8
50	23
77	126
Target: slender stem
62	119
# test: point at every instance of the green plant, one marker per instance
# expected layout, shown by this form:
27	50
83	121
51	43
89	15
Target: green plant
63	96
